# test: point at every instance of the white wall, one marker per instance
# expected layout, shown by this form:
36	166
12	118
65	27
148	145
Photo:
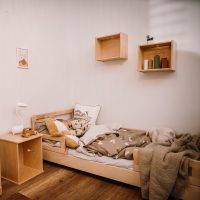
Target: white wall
60	37
41	27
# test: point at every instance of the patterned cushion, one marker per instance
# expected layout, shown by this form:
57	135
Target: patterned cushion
78	127
89	113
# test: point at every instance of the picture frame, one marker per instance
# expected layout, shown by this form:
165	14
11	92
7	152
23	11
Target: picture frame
22	58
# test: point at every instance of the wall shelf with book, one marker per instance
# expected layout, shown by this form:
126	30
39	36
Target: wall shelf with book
157	57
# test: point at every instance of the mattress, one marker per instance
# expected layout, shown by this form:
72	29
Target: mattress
124	163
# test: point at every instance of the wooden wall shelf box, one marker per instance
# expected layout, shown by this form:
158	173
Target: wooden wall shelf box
21	158
163	49
112	47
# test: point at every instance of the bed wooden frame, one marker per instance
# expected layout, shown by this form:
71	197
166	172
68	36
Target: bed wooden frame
129	176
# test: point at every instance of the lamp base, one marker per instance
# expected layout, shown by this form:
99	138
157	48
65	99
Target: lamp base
17	129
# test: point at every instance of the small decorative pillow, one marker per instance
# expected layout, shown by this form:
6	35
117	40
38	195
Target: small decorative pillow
78	127
71	141
56	128
89	113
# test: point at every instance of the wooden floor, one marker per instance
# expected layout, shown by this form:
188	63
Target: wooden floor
59	182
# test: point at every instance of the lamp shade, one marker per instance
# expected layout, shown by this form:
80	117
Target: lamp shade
22	105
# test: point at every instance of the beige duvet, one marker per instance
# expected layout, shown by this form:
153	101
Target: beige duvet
118	144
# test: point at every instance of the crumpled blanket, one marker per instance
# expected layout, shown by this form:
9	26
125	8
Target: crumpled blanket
158	135
164	166
118	144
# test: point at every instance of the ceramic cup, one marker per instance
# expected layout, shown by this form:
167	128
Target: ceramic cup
150	64
145	64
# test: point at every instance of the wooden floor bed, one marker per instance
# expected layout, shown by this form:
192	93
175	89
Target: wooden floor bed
129	176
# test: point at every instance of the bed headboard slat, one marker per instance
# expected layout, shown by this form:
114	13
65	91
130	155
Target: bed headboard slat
41	117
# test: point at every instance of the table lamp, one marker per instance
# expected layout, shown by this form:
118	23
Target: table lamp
19	128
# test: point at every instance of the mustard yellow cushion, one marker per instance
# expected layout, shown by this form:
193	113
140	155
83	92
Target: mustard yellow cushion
56	128
71	141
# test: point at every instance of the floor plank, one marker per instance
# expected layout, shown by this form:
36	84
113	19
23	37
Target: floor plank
59	182
18	196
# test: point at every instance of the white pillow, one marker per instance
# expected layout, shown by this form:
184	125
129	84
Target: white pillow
91	111
92	133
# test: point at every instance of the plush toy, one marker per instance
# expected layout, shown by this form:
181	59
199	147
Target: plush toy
27	132
78	127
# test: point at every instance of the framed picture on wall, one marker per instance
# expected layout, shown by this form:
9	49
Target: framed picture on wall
22	58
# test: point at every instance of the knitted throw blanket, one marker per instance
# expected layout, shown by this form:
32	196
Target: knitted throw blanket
164	166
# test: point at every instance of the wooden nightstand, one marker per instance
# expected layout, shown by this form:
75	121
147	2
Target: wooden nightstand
21	158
